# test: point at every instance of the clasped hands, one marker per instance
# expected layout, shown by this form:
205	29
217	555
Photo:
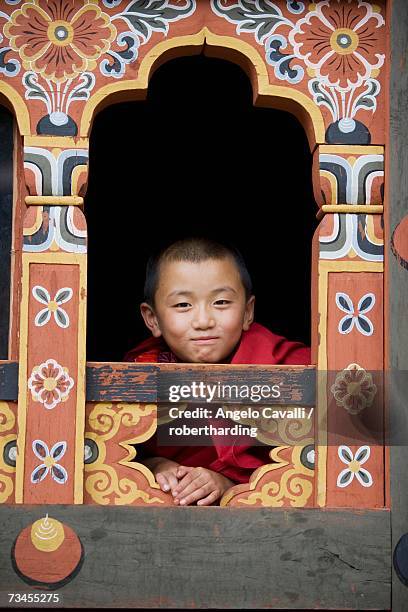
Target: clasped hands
188	485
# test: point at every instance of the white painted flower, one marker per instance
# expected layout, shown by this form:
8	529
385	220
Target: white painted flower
50	384
340	42
52	306
354	469
49	459
355	316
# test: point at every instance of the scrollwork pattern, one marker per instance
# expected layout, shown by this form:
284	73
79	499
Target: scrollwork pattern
7	423
285	482
262	19
102	482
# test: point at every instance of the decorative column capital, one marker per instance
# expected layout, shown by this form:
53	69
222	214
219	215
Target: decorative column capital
55	167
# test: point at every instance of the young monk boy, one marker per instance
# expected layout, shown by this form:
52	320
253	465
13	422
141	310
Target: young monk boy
199	308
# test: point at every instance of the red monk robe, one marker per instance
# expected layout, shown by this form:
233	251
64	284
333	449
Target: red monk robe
257	345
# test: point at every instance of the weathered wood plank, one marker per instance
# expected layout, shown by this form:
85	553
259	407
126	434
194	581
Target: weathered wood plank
217	558
398	287
137	382
121	382
296	384
133	382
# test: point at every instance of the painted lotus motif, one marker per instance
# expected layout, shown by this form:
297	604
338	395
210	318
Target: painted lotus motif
354	389
50	384
339	41
355	316
58	41
52	306
49	462
354	461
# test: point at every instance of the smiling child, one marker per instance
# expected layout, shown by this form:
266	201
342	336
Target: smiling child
199	308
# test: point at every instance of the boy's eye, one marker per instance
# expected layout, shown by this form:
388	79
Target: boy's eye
222	302
181	305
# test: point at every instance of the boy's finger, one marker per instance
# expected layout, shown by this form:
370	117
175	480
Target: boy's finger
200	493
195	485
199	479
181	484
182	470
173	481
162	480
210	499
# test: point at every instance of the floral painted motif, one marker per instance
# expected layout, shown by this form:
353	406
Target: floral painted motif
49	462
58	41
354	389
356	317
354	469
52	306
50	384
339	44
339	41
62	44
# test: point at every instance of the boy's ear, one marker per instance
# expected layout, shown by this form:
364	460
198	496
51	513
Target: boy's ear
150	319
249	313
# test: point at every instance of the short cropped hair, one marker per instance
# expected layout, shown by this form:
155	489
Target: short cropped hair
194	249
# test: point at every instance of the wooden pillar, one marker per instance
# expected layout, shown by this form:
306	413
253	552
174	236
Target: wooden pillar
51	403
350	325
397	290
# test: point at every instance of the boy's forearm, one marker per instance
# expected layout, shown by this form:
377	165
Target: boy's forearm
225	482
152	462
155	462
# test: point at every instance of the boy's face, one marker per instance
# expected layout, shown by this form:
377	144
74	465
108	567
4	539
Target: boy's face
200	309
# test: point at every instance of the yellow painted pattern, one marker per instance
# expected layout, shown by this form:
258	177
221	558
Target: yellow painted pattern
102	480
351	149
371	233
81	384
372	209
29	231
294	485
321	395
264	87
63	142
7	423
77	172
18	105
62	200
47	534
333	184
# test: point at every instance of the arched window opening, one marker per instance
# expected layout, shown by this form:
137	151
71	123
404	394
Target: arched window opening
197	158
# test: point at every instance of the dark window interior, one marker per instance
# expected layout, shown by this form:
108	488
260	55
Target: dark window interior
6	211
197	158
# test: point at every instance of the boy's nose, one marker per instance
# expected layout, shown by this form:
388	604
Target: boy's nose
203	319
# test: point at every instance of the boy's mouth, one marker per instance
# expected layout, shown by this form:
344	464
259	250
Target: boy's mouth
205	339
